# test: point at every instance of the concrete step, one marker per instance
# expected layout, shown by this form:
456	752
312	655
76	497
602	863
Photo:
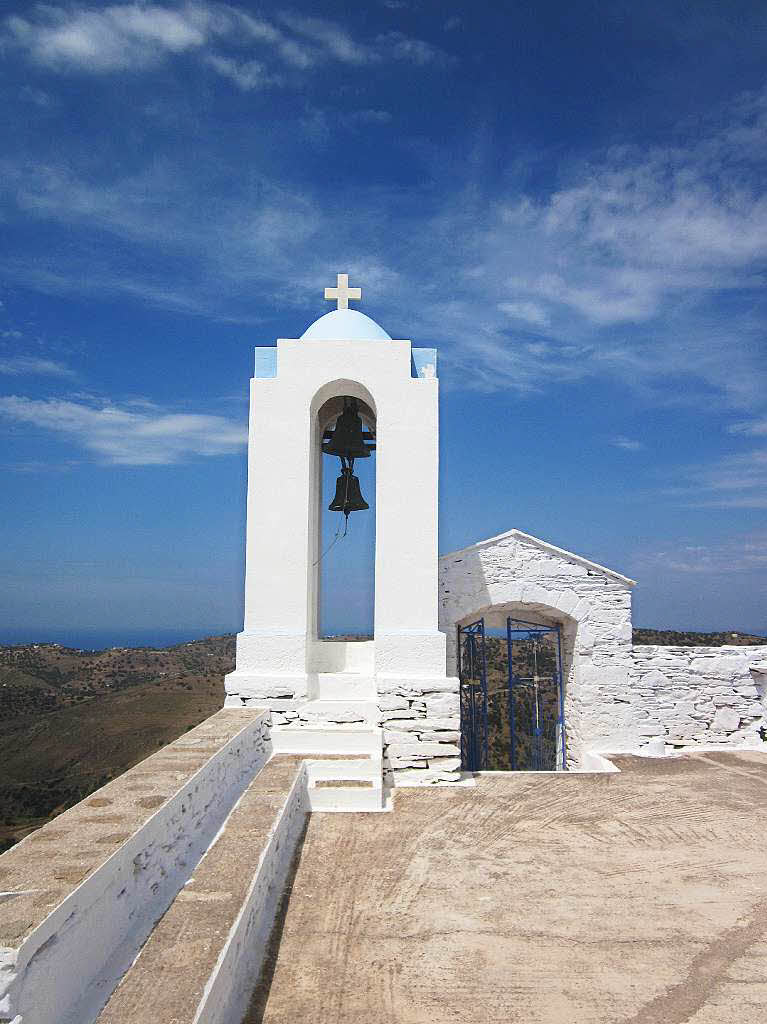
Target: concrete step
346	686
288	739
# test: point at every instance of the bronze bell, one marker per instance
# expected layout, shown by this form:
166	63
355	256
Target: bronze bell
348	494
347	440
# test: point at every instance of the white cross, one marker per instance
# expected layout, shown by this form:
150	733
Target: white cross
343	292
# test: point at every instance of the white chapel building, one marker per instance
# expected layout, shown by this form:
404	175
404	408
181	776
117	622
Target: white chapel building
425	697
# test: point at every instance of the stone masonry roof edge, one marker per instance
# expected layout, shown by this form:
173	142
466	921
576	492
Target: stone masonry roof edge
546	547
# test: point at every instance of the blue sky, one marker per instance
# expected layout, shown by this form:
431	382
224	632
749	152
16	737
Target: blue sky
566	199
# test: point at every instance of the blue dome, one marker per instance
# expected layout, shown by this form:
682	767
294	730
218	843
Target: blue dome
345	325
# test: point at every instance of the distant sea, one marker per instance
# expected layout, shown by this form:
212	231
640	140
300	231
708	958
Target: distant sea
97	640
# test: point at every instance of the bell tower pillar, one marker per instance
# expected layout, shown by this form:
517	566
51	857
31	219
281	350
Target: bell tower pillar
310	683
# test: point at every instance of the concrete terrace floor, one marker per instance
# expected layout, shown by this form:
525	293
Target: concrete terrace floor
638	898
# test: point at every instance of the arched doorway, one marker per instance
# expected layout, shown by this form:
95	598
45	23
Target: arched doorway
511	666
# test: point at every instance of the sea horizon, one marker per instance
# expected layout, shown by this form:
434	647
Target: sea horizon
104	639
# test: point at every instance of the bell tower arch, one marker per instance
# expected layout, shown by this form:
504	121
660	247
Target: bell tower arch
332	403
344	365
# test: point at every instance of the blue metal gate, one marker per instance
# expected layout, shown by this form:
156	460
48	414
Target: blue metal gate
536	697
472	672
512	698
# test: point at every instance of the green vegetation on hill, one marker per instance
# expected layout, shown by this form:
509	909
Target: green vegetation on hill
72	720
675	638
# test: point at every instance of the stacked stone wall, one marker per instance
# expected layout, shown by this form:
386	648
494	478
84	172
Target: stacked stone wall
692	696
421	731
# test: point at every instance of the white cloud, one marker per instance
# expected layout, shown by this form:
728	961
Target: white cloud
740	554
246	74
17	366
628	444
114	38
137	36
331	39
336	42
131	435
532	312
592	269
737	481
398	46
320	125
38	97
354	118
752	428
733	481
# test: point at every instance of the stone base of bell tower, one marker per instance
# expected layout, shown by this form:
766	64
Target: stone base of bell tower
395	685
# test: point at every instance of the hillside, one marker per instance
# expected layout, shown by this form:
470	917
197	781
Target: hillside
675	638
71	720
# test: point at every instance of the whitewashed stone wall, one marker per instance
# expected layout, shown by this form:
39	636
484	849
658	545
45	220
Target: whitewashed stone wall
691	696
421	723
518	575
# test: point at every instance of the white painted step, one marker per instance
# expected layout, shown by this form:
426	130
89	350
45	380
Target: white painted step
288	739
346	686
345	783
346	795
346	768
353	712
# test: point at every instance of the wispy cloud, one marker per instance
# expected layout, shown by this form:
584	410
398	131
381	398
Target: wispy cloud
39	97
628	444
737	481
135	37
17	366
531	312
752	428
113	38
321	125
246	74
136	434
641	264
331	39
740	554
398	46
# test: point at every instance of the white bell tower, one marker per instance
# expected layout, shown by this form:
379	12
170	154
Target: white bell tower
296	394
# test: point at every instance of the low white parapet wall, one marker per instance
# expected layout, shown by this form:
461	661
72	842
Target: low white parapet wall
684	697
230	988
79	896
